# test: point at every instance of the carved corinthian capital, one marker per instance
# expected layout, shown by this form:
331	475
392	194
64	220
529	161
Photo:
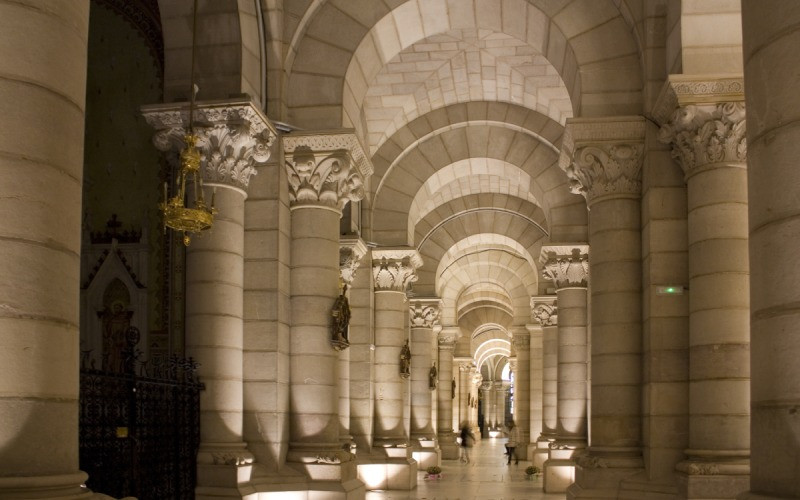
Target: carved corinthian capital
566	265
424	313
707	133
703	118
603	156
233	136
325	168
351	251
395	269
544	309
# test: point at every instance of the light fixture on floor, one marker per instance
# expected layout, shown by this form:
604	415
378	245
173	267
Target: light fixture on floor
177	213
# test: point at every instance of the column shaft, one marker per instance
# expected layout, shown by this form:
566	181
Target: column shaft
536	395
42	100
390	335
770	49
421	424
615	239
214	325
550	381
522	391
572	368
314	363
444	395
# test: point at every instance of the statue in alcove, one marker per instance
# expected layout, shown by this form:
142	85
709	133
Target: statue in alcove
116	321
405	361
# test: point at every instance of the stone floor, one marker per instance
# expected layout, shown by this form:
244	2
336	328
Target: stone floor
486	477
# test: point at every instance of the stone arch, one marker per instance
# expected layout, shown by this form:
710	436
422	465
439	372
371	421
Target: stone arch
583	40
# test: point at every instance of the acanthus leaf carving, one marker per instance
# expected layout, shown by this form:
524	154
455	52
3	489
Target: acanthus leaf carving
566	266
424	313
545	314
394	270
232	137
323	178
350	254
701	134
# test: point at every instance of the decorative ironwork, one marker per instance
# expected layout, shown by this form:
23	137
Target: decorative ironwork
140	426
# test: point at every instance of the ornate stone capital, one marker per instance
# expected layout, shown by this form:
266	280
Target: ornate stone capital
701	134
325	168
566	265
476	378
544	309
424	313
351	251
703	118
233	136
603	156
447	337
394	269
520	338
464	364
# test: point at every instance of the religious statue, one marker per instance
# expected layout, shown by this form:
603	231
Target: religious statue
341	322
405	361
432	377
116	320
453	389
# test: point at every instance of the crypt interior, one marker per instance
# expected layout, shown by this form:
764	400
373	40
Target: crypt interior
401	217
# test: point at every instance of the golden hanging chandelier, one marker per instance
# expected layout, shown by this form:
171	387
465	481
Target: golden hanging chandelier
176	212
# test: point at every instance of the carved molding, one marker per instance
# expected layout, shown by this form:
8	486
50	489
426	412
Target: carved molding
395	269
233	136
603	156
424	313
566	265
683	90
351	251
447	338
544	309
707	133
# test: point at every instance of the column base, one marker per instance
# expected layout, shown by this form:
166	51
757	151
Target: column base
600	472
640	487
449	447
223	470
426	452
56	487
698	479
539	452
559	468
390	466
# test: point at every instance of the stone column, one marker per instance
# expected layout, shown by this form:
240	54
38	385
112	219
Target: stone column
423	314
43	81
521	340
231	137
603	159
487	396
567	266
707	134
500	394
351	251
474	389
512	387
393	270
545	311
770	52
324	171
445	434
462	386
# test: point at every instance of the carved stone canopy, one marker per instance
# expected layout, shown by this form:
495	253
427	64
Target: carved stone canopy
603	156
395	268
544	309
233	136
325	168
566	265
703	118
424	313
351	251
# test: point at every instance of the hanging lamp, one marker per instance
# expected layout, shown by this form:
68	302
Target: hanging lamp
176	212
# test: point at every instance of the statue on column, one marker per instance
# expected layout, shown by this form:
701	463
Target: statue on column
405	361
341	321
432	377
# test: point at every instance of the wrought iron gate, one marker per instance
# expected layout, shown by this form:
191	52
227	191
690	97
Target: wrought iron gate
140	426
